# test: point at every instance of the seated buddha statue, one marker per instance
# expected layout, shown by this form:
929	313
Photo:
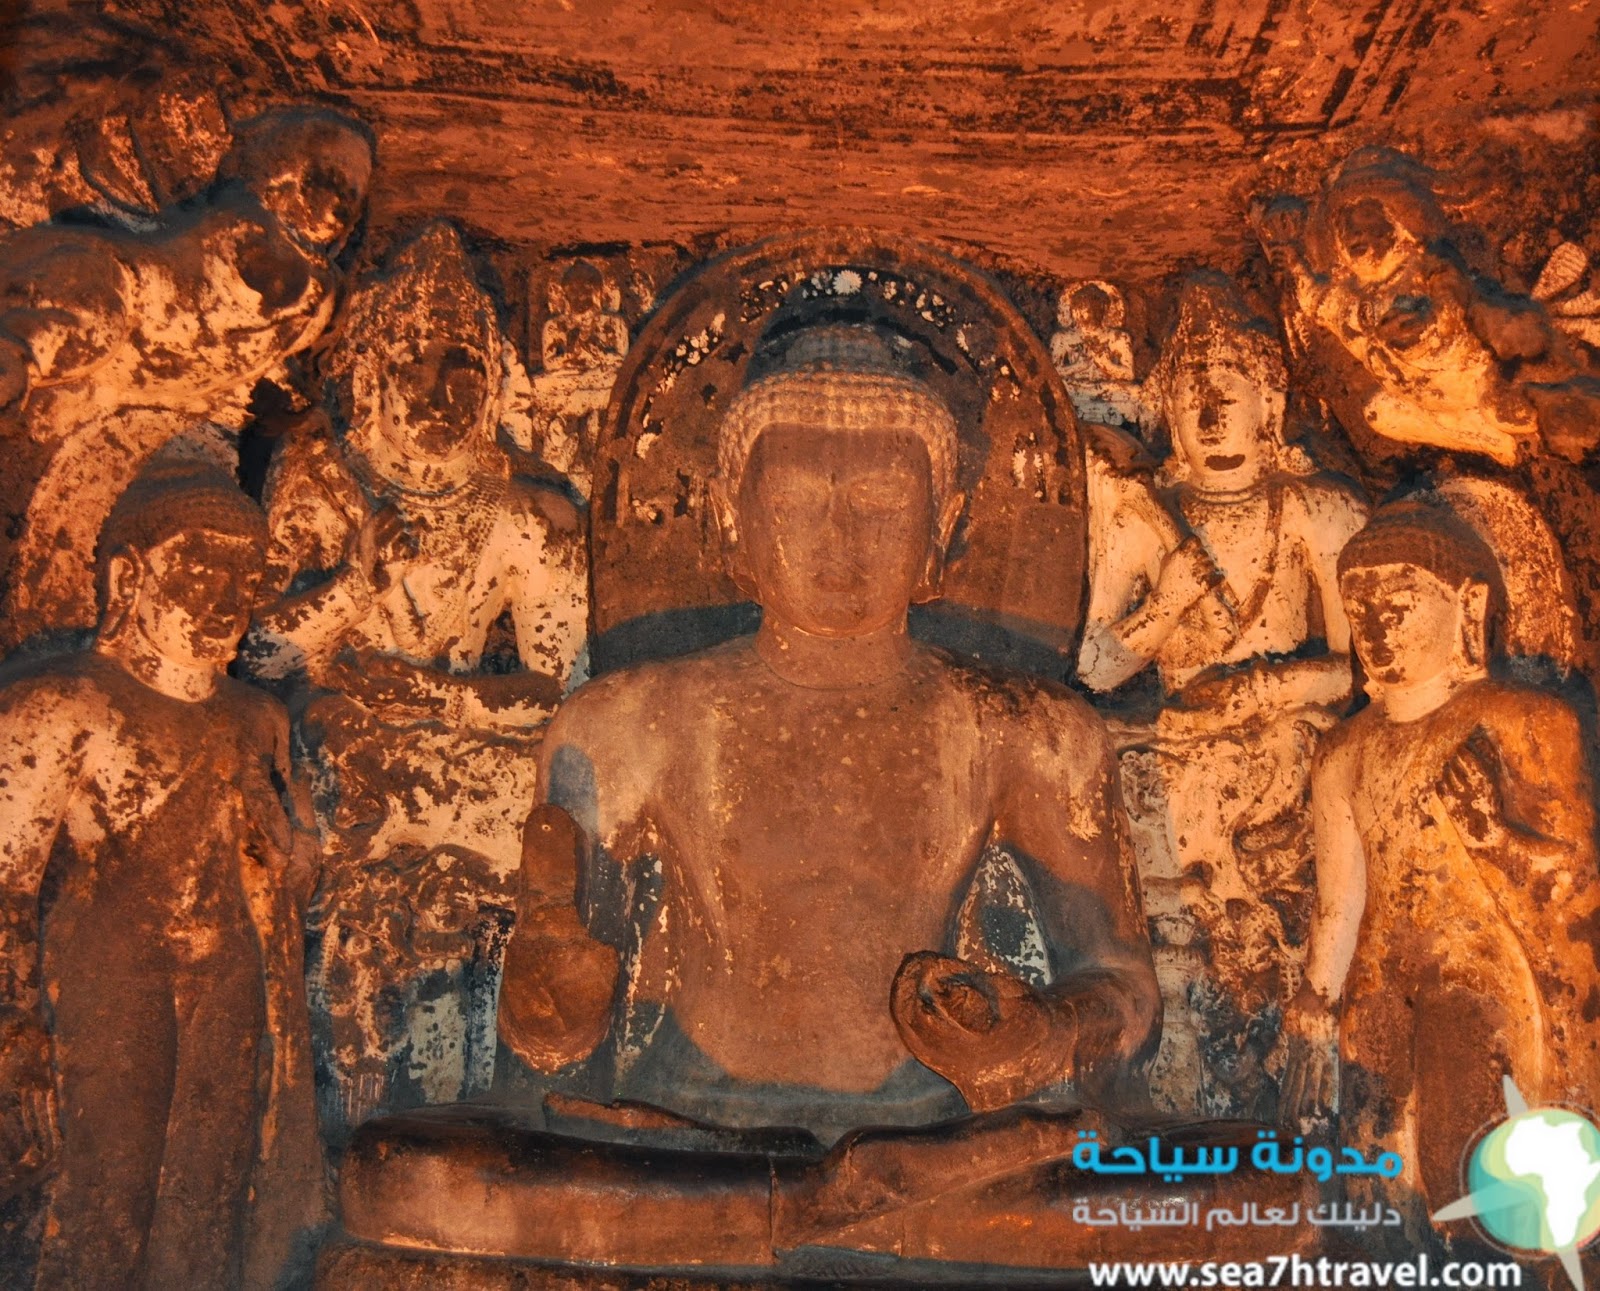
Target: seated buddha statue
780	1007
799	960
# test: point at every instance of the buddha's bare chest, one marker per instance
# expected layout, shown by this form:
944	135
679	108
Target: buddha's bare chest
872	807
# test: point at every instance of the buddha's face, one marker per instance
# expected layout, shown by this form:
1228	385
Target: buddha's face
432	397
195	596
1222	423
836	527
582	294
1090	308
1407	625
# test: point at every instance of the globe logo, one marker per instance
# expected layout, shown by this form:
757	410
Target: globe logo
1534	1182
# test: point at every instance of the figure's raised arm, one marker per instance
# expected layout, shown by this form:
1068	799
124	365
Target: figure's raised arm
560	979
328	557
550	597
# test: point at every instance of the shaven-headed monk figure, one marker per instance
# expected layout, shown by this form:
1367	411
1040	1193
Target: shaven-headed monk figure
153	864
779	835
1457	935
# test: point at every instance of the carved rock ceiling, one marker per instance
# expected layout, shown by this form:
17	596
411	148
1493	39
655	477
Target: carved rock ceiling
1078	135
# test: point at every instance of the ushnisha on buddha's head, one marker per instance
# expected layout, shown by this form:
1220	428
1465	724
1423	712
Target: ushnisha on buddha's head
836	486
1223	389
1420	589
180	561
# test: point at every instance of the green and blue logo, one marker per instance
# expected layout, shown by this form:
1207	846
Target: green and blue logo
1534	1182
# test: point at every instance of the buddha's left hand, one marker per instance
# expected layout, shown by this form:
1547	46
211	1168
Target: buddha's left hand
1469	787
990	1034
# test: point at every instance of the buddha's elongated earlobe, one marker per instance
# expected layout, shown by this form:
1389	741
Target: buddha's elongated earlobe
124	573
733	560
931	585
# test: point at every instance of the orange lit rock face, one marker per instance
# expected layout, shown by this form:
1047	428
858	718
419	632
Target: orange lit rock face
702	451
1077	138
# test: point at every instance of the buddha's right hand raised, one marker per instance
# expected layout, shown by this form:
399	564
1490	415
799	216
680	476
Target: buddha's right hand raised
557	991
28	1134
990	1034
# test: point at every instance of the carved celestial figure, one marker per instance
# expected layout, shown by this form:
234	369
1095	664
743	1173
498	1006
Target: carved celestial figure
1243	620
1448	360
112	343
397	547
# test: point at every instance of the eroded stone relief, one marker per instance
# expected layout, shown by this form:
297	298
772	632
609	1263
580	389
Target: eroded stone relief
737	952
582	343
814	933
114	342
1093	352
1243	622
1378	276
403	548
157	1043
1456	375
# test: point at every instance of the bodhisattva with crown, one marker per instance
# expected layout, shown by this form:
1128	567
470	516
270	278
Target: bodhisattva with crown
1244	622
403	549
1457	934
152	997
